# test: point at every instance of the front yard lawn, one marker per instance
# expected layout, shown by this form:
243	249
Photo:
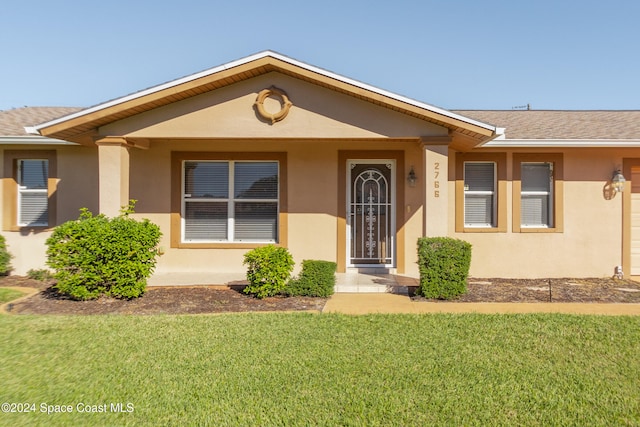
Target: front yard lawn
7	295
312	369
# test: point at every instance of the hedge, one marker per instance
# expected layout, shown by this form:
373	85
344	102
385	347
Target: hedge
444	267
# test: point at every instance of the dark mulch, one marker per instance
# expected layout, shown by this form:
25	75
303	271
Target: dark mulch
590	290
157	300
214	299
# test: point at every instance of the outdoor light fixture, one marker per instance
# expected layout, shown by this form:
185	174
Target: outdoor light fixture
412	179
617	182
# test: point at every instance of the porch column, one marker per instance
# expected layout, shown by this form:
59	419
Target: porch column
436	199
113	175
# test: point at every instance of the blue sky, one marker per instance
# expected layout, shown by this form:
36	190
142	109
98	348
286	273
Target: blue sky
495	54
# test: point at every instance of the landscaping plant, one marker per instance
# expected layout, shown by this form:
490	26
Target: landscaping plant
444	267
5	257
97	255
317	279
269	270
40	275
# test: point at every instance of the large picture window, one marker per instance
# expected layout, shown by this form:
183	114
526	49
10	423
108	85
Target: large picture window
230	201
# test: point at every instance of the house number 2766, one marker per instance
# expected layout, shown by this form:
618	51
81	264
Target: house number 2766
436	182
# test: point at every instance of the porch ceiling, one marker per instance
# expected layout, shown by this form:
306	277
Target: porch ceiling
81	127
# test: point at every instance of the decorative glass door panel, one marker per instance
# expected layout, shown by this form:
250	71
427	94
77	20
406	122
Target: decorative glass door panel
371	220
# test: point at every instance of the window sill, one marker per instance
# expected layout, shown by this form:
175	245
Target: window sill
483	230
30	229
223	245
537	230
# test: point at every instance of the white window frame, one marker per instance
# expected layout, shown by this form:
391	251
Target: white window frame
22	190
230	200
548	194
493	194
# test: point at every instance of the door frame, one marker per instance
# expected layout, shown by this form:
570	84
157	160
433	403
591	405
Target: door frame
391	164
398	156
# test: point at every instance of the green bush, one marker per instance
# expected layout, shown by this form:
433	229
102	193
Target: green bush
5	257
96	255
317	279
41	275
444	267
269	269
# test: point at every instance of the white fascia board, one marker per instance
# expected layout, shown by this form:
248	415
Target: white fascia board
383	92
254	57
32	140
562	143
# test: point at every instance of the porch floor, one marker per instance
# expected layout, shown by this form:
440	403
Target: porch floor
351	282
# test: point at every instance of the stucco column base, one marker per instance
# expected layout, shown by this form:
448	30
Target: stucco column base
113	174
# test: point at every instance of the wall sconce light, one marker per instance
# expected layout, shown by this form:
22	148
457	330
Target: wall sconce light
617	182
412	178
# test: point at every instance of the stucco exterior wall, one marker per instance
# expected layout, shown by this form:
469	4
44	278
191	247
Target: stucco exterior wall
590	244
76	188
228	112
313	201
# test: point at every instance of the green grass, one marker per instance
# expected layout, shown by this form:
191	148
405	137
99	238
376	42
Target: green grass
309	369
7	295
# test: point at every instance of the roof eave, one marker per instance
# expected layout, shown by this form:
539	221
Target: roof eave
562	143
452	119
32	140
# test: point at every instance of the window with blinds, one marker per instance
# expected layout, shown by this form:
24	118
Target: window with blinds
33	194
536	195
479	194
230	201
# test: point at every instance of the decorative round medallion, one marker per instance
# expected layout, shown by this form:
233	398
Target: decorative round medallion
273	92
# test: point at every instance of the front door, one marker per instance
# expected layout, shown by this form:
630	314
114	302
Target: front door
371	213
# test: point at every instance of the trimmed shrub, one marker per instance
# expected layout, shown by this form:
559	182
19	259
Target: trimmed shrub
96	255
42	275
269	269
444	267
317	279
5	257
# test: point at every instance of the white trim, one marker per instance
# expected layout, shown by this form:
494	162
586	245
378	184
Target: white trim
560	143
231	200
255	57
32	140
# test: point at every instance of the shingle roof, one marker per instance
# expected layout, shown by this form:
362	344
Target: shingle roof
554	124
12	122
531	124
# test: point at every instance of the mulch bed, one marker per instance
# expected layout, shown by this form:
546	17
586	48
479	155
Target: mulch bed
590	290
215	299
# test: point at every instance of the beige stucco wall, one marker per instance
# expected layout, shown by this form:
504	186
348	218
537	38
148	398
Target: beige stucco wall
228	112
591	242
313	203
76	188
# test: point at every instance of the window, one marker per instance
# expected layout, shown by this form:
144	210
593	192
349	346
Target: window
481	186
536	202
537	192
479	194
29	189
33	194
230	201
